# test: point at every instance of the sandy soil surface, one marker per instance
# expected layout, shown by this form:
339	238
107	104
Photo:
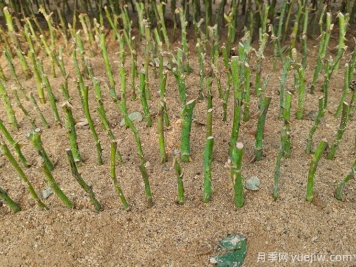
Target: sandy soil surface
286	232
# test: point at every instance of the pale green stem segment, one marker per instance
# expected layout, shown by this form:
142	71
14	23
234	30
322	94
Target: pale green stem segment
24	110
113	175
71	132
99	150
287	123
14	144
147	185
80	180
318	118
35	138
187	117
179	174
260	128
235	70
160	129
312	169
129	123
102	113
208	157
143	98
6	152
49	179
106	61
342	183
43	119
236	176
8	107
340	131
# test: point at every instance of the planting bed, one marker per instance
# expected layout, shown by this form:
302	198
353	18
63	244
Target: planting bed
169	234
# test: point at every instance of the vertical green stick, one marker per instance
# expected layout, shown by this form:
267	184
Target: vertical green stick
129	123
8	107
294	34
304	36
201	59
345	91
106	60
286	68
147	46
35	138
179	174
147	185
43	119
263	42
140	9
162	73
187	116
230	32
14	144
340	131
209	116
160	129
236	176
71	132
324	41
329	69
312	169
162	93
122	72
49	179
61	63
208	156
143	98
352	62
180	77
229	78
2	74
301	92
260	128
235	70
163	25
342	183
217	75
102	113
343	24
25	112
112	21
79	179
113	175
290	6
11	28
287	123
51	54
280	26
85	22
91	124
320	115
24	64
52	99
38	77
244	50
184	41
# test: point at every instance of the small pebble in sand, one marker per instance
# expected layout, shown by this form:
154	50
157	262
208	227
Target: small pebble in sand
46	192
253	183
